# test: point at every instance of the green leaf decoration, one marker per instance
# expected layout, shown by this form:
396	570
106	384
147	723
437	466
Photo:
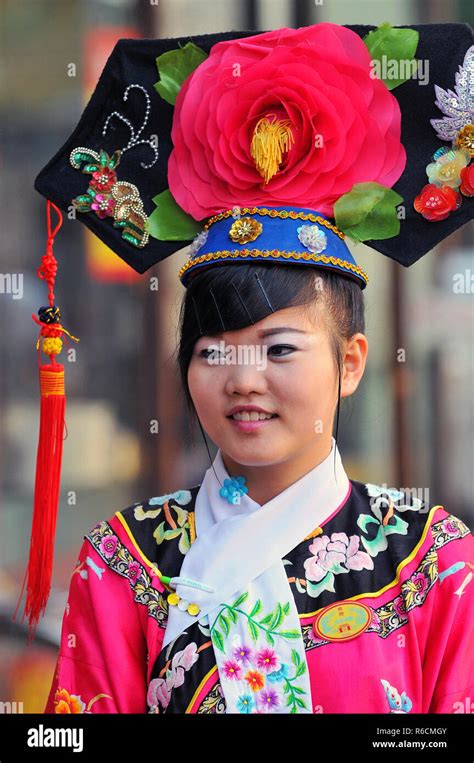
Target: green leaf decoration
392	51
218	640
181	515
270	639
295	658
184	544
168	222
257	608
114	160
253	630
232	615
90	168
224	623
174	67
368	211
159	533
241	598
293	633
170	534
278	618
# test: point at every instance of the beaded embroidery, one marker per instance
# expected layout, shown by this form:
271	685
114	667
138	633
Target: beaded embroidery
107	196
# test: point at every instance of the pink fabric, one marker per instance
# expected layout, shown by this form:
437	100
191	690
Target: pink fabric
429	662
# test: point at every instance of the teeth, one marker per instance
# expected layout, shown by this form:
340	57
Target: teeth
251	416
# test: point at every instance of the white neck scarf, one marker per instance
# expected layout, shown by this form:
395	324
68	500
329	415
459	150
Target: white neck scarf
250	609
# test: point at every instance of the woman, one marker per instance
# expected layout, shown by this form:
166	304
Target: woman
376	583
278	584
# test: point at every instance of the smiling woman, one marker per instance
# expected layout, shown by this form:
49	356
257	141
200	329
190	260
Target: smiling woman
278	584
321	345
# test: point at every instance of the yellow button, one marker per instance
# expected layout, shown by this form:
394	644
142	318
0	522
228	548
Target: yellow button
173	599
194	609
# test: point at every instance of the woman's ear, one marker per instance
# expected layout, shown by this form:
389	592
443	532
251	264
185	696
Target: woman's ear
354	361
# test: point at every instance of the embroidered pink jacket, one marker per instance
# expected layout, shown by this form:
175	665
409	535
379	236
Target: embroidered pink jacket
384	591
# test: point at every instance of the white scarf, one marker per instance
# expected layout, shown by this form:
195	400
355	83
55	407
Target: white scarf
238	554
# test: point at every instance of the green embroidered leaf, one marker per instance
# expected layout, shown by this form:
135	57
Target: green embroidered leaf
241	598
300	670
286	690
257	608
181	515
174	67
224	623
326	584
293	633
218	640
168	222
159	533
82	203
184	545
266	619
363	520
103	157
399	526
170	534
300	702
299	586
392	52
368	212
90	168
295	658
278	618
298	690
232	615
114	160
253	630
286	608
270	638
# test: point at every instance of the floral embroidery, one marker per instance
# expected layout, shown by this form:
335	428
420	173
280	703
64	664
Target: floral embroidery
394	614
103	539
159	689
182	527
332	556
255	667
398	703
65	703
384	525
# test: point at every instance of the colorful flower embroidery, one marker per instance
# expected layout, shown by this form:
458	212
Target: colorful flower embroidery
65	703
332	556
181	527
259	670
123	563
398	703
159	689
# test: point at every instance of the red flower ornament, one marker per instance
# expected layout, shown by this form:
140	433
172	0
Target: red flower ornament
435	203
292	116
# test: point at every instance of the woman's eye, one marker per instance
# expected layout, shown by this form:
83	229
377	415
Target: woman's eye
280	346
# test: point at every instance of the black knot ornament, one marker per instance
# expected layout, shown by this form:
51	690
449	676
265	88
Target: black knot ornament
49	314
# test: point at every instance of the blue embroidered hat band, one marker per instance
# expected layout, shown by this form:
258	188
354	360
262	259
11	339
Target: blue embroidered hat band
279	235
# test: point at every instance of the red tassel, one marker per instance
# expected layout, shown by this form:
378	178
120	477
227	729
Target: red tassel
50	446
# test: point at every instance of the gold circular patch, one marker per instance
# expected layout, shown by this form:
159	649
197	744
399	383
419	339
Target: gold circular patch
342	621
244	230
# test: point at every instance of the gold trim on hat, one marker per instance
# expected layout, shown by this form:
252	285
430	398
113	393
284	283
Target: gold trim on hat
282	213
276	254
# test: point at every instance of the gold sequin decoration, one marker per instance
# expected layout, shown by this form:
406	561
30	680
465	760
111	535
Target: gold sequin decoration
276	254
281	213
244	230
465	139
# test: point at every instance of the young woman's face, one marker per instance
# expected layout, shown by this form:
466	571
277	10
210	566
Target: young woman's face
290	373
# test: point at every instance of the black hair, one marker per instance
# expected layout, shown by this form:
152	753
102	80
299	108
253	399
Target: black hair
231	297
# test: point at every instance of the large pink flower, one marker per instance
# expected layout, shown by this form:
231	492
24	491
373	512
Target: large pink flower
345	122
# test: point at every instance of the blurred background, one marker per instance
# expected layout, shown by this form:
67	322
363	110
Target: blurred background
410	424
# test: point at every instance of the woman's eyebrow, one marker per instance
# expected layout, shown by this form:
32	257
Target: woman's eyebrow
268	332
279	329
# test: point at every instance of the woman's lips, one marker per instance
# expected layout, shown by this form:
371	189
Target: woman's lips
250	426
